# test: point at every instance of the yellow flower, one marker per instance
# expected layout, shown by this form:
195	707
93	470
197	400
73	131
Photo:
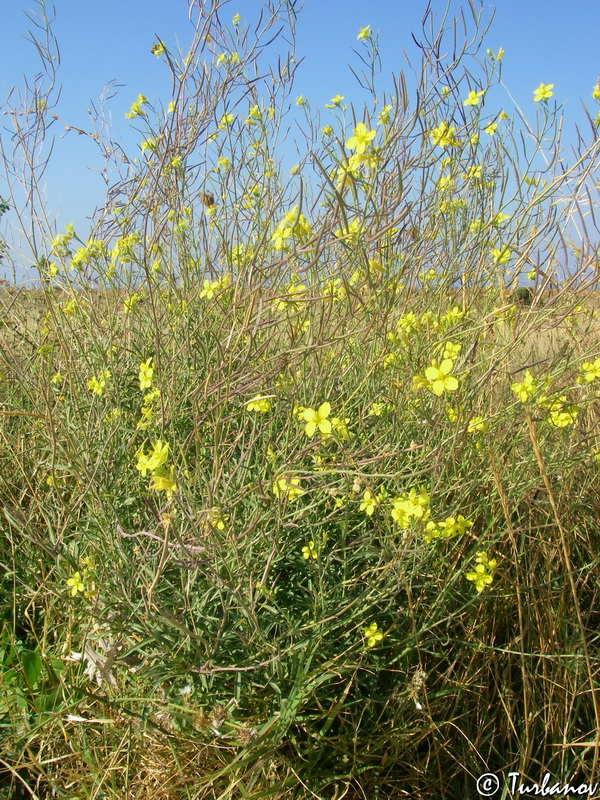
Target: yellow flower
384	116
155	460
317	419
491	128
293	225
525	388
482	575
136	108
148	144
452	413
377	409
473	173
209	289
157	49
590	371
75	584
361	138
287	487
339	428
96	385
443	136
145	374
500	219
409	505
451	351
477	424
373	635
543	92
439	378
473	98
351	232
369	503
562	414
162	481
364	33
500	255
309	551
259	404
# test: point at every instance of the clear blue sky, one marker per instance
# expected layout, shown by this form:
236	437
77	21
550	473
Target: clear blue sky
550	42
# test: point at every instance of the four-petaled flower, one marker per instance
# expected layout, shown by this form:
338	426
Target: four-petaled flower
369	503
590	370
287	487
373	635
258	404
335	101
526	388
146	373
96	384
364	33
75	584
162	481
501	255
543	92
317	419
473	98
439	378
309	551
155	460
482	575
361	138
443	135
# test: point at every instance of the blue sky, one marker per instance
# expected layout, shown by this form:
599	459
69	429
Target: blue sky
109	41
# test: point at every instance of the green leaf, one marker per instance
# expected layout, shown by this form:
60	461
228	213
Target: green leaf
32	666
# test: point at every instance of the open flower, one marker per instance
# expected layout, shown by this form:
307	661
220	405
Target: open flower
590	371
373	635
439	378
500	255
162	481
443	135
287	487
258	404
526	388
145	374
317	419
369	503
482	574
474	98
155	460
309	551
543	92
136	107
75	584
361	138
